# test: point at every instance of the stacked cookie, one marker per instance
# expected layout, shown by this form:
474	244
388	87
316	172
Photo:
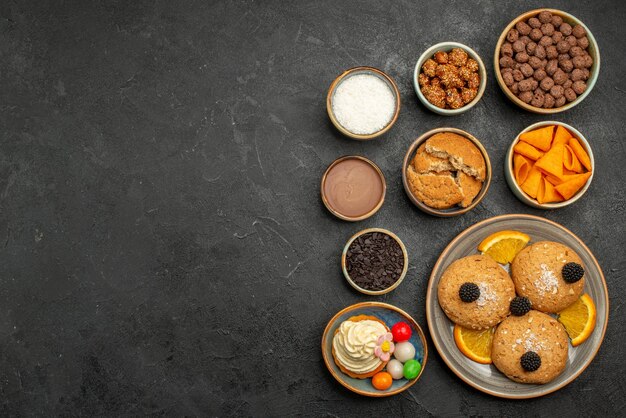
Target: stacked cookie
447	170
529	345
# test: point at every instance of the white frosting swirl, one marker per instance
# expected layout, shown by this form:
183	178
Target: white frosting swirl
354	345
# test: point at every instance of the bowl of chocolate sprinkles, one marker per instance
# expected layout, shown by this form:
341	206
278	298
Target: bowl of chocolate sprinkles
374	261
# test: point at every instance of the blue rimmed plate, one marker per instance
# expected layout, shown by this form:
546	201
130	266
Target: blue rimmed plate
390	315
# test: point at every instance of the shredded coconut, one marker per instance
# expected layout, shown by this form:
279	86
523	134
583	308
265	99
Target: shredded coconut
547	282
486	295
363	104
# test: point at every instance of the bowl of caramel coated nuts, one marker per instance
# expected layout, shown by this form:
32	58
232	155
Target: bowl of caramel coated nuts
449	78
546	61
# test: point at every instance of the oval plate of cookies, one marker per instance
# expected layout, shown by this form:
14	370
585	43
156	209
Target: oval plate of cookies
517	306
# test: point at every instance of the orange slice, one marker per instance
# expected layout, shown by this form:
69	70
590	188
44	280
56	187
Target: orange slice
475	345
503	246
579	319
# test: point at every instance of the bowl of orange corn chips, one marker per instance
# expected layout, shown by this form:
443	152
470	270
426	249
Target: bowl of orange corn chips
549	165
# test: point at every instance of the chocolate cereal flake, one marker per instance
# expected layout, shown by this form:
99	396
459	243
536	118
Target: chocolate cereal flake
374	261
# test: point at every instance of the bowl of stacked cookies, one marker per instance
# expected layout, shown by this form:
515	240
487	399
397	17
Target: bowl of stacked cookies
446	172
546	61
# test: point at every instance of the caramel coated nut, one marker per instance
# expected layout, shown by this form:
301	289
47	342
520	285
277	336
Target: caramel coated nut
457	57
429	67
441	57
472	64
450	80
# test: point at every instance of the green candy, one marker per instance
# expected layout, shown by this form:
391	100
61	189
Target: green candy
411	369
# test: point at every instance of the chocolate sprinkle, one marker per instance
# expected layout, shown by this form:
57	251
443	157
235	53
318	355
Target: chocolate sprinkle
374	261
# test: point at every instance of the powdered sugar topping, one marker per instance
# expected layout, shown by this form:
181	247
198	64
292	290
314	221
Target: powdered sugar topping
530	343
547	282
486	295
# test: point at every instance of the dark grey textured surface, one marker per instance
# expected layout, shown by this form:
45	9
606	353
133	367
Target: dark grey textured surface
163	246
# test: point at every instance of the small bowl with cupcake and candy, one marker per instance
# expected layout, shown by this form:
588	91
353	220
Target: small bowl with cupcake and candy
374	349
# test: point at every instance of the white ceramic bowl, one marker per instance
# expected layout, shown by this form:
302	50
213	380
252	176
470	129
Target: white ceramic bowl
517	190
447	46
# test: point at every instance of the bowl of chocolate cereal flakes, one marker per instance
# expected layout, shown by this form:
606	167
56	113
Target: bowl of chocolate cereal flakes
546	61
449	78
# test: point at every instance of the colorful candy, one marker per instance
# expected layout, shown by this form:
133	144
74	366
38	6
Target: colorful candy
404	351
401	332
396	369
412	369
382	380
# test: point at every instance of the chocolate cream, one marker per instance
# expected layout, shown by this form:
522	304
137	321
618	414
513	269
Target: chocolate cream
353	187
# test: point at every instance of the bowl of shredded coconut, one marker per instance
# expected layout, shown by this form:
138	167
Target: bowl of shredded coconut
363	103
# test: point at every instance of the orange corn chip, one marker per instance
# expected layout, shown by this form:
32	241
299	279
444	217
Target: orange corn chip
580	152
527	150
548	194
542	189
555	181
570	161
552	161
521	167
572	185
539	138
532	183
561	136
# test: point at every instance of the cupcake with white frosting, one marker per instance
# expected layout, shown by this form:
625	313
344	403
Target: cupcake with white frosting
362	346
